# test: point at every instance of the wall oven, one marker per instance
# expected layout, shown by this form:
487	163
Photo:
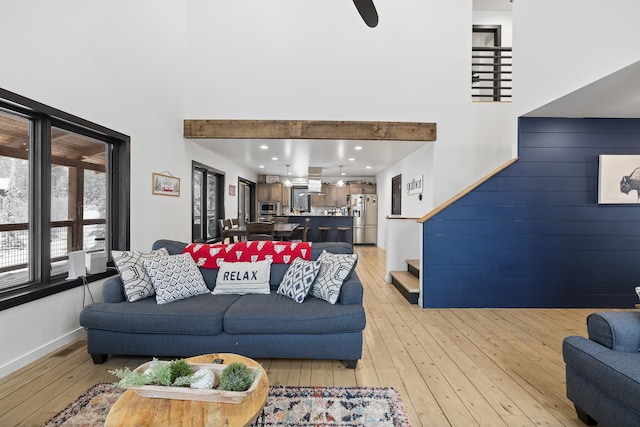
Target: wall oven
269	208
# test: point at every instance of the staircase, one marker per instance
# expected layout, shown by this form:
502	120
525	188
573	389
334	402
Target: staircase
407	282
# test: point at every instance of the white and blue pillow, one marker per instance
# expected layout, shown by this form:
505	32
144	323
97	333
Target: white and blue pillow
334	270
136	280
175	277
298	279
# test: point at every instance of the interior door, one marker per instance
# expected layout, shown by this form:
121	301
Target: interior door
207	202
396	195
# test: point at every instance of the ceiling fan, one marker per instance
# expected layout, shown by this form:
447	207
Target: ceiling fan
367	11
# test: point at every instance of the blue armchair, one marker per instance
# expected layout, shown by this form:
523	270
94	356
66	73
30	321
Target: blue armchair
603	372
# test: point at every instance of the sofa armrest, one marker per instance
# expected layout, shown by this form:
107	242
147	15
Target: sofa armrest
113	290
172	246
619	331
351	291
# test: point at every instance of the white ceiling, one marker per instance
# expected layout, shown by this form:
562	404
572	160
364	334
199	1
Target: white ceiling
300	154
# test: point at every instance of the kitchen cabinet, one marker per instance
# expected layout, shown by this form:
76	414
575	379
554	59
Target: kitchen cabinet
285	201
362	189
269	192
334	195
319	199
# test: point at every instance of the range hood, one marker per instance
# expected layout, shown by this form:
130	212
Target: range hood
315	181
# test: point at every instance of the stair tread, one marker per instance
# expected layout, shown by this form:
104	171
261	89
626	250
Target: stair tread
415	263
407	280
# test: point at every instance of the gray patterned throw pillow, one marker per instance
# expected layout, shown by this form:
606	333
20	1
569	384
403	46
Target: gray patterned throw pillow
175	277
334	270
298	279
136	281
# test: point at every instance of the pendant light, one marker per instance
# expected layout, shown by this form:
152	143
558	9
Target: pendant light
340	182
287	182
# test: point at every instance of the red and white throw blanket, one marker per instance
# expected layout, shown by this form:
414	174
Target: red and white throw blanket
211	255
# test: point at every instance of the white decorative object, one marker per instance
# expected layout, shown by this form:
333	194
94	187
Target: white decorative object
638	291
414	186
203	379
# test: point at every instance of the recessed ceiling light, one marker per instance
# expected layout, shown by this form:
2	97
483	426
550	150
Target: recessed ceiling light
368	167
351	159
274	158
264	147
261	166
358	147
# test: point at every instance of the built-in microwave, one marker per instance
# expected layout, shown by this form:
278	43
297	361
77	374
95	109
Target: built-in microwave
269	208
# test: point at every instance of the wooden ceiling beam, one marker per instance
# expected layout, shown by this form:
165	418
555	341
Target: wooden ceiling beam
309	129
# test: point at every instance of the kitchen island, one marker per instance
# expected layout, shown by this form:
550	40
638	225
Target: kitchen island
333	221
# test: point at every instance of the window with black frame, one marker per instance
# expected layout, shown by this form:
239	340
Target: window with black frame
57	175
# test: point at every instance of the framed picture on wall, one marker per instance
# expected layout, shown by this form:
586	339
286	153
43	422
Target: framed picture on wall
619	179
165	185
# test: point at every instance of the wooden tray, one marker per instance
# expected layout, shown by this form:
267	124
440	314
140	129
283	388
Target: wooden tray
187	393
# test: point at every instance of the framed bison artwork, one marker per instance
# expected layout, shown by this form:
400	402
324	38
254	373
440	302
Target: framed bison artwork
619	179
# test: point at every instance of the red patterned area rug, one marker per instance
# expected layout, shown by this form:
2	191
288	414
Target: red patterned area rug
286	406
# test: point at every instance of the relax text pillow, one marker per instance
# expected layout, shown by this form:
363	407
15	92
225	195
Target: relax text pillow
243	278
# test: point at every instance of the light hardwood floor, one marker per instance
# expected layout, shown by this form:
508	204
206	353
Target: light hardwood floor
452	367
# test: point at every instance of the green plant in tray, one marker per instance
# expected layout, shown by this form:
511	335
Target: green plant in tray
236	377
177	373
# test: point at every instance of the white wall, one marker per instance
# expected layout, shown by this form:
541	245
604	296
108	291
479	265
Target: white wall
561	46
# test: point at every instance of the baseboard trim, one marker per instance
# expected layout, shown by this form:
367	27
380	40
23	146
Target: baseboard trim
32	356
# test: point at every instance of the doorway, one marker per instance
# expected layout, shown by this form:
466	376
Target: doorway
246	201
207	202
396	195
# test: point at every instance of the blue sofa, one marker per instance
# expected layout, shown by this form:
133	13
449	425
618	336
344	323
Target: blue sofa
603	372
257	326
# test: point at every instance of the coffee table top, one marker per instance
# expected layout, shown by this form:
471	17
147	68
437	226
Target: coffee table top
133	410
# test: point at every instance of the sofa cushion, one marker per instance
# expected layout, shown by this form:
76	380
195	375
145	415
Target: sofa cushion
175	277
137	283
332	247
298	279
334	270
199	315
277	314
243	278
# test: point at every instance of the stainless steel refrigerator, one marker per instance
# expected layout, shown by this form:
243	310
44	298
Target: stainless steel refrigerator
364	209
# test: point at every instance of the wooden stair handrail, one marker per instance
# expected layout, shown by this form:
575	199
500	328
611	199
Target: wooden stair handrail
467	190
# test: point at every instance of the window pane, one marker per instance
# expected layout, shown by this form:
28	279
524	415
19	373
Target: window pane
197	205
14	200
212	219
95	207
78	196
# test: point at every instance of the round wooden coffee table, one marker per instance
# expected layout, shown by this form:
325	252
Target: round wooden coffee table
133	410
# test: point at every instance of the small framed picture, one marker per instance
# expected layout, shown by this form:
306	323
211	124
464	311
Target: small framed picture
232	190
165	185
619	179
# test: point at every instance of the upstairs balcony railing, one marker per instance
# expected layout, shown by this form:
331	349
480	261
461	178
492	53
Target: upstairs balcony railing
491	74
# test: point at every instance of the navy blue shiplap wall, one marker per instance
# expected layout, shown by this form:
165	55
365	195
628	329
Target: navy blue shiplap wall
534	235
